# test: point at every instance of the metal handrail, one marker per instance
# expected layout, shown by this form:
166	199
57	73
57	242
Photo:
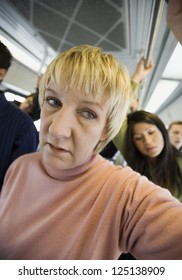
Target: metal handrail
156	13
155	19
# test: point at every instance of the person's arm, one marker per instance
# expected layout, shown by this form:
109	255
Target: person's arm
120	139
139	74
174	18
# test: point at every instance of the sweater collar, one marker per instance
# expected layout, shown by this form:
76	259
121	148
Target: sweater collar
70	174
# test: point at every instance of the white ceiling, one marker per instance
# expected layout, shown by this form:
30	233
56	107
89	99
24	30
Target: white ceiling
118	26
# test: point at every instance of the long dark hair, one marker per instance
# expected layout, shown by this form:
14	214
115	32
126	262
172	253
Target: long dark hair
166	171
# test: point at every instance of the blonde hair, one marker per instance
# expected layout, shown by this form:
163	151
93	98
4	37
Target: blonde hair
88	70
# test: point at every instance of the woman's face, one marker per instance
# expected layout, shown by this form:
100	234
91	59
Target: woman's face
148	139
71	127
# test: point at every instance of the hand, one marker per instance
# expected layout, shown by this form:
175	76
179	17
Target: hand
141	71
174	18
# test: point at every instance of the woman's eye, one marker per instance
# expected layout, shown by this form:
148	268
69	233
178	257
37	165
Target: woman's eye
53	102
88	115
137	138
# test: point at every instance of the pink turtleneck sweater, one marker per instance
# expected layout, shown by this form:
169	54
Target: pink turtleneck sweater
95	211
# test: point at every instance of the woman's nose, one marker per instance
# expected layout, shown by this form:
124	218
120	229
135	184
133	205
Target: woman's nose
147	139
61	125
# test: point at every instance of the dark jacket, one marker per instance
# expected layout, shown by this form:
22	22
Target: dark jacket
18	134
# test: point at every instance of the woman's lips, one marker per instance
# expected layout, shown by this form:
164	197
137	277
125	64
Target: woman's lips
57	149
150	149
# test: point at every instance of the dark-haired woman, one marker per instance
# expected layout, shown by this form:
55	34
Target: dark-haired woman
144	142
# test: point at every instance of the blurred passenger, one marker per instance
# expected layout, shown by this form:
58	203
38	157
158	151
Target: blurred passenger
174	18
17	131
175	134
174	22
147	149
31	106
31	103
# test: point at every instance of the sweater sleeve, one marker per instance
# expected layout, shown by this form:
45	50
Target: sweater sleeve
152	225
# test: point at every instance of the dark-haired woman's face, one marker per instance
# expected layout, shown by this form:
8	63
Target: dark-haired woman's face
148	139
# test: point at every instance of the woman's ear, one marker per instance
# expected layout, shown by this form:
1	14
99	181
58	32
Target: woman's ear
2	73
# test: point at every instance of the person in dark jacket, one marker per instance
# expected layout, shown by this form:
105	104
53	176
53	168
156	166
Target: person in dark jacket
17	132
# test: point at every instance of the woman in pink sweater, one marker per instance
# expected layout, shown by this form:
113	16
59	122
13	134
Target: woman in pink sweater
66	201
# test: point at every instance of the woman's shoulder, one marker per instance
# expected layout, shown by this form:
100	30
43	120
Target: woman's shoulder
115	172
129	184
25	161
28	157
24	167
